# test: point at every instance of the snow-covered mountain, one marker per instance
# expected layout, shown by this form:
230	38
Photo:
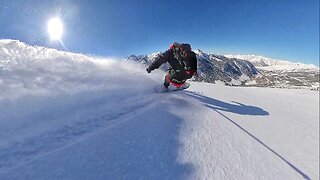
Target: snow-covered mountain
280	73
269	64
72	116
249	70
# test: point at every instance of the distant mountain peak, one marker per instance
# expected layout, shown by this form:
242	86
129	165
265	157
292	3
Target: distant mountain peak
198	51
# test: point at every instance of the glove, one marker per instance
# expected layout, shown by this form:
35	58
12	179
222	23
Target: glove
148	70
195	73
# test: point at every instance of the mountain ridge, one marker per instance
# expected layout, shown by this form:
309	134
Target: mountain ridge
250	70
271	64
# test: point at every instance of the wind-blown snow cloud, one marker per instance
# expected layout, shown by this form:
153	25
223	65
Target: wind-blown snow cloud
39	85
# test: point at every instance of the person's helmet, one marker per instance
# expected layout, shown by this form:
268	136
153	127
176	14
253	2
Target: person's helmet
175	46
183	50
184	47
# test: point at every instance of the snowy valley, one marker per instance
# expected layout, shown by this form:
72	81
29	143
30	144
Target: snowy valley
71	116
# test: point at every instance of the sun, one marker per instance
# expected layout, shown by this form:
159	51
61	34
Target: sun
55	28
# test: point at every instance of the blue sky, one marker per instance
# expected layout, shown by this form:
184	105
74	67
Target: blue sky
286	29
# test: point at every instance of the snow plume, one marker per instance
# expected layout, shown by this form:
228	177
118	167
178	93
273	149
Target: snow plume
27	70
38	84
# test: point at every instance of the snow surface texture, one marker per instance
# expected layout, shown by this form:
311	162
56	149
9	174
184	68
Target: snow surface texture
69	116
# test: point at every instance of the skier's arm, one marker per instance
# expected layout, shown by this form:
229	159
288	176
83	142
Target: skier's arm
163	58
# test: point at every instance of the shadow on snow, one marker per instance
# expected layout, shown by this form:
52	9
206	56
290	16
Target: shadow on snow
237	107
242	109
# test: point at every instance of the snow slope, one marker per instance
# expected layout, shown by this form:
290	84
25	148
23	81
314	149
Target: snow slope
70	116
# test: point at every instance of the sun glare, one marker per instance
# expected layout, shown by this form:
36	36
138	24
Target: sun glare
55	28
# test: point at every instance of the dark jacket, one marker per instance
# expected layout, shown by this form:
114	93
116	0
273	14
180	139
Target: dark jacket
181	68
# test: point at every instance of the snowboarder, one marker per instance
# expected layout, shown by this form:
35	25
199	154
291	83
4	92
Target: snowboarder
182	64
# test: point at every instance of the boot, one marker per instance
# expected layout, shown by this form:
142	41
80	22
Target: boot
166	84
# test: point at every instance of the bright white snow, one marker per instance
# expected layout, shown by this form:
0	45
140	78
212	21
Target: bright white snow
70	116
270	64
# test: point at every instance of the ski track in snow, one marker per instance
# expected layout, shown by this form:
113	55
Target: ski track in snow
35	147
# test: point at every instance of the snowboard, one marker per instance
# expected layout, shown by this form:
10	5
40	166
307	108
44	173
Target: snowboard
162	89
